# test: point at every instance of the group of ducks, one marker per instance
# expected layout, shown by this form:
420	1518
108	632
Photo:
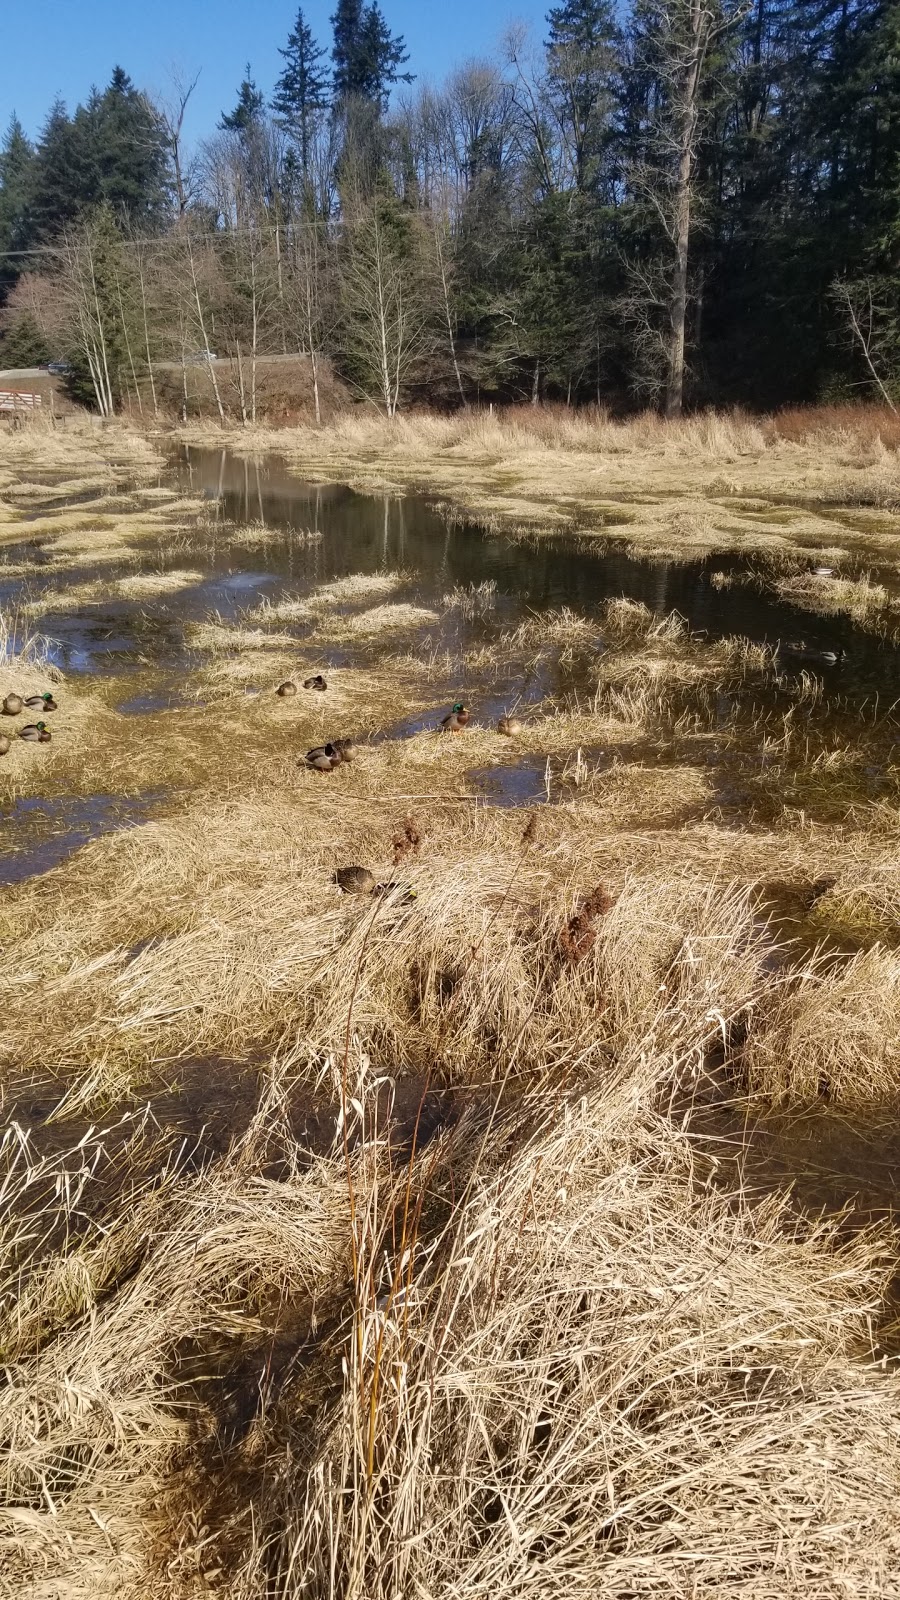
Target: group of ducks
804	653
325	757
33	732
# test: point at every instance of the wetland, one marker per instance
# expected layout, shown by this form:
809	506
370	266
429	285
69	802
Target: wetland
264	1139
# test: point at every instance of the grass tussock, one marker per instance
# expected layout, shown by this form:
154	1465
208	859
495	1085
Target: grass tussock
672	490
868	603
404	1244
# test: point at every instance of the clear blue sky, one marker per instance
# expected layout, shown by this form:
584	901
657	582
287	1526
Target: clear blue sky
50	47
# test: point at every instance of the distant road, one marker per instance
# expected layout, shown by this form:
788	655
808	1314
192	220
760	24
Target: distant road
15	373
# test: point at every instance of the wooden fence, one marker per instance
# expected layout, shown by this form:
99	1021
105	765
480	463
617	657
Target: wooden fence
19	400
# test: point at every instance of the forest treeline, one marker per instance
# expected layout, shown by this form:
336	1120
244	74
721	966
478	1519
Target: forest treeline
695	202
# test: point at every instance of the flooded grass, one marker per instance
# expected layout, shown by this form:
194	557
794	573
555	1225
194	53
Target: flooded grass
314	1200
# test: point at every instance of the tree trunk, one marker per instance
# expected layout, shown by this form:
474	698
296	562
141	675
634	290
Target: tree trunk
687	106
202	325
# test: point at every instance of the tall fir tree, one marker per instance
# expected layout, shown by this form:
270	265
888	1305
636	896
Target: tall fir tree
302	92
248	112
129	152
63	180
16	173
583	65
367	56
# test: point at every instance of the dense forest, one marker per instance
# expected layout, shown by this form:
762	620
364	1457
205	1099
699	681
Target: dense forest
694	203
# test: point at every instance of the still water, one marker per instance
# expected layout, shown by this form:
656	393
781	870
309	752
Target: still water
356	533
313	534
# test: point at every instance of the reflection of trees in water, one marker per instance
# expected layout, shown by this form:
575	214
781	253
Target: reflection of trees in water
369	533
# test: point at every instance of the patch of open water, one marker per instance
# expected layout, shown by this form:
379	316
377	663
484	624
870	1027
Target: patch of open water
367	534
118	639
40	833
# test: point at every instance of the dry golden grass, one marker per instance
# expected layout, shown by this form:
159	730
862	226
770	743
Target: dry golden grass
869	604
405	1245
711	482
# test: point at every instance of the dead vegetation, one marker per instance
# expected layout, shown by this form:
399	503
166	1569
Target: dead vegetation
420	1243
729	482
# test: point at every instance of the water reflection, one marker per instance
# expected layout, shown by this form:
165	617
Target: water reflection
367	534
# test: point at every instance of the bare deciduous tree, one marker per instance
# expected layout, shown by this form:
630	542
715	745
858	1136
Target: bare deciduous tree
871	329
308	293
682	33
387	321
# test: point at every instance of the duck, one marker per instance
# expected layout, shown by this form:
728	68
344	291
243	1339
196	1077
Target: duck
4	744
41	702
286	688
823	572
344	748
510	726
458	718
36	733
354	880
12	705
323	758
403	893
318	682
810	653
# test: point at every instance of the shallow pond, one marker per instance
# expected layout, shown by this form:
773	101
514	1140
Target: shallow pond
354	533
267	534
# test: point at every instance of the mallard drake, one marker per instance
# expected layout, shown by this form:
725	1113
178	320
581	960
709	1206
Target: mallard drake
285	689
318	682
323	758
457	719
36	733
510	726
4	744
41	702
12	705
354	880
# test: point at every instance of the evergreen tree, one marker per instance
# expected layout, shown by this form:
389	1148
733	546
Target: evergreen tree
583	60
129	151
63	184
301	93
23	344
111	151
346	22
16	171
248	113
367	56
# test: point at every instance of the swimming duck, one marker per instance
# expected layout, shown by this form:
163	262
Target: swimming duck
354	880
4	744
285	689
12	705
323	758
36	733
811	654
510	726
41	702
458	718
318	682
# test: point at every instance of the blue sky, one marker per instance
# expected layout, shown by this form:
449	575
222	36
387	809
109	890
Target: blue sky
50	47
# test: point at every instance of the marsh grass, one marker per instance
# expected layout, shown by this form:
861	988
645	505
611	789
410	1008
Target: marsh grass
678	491
868	603
403	1244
